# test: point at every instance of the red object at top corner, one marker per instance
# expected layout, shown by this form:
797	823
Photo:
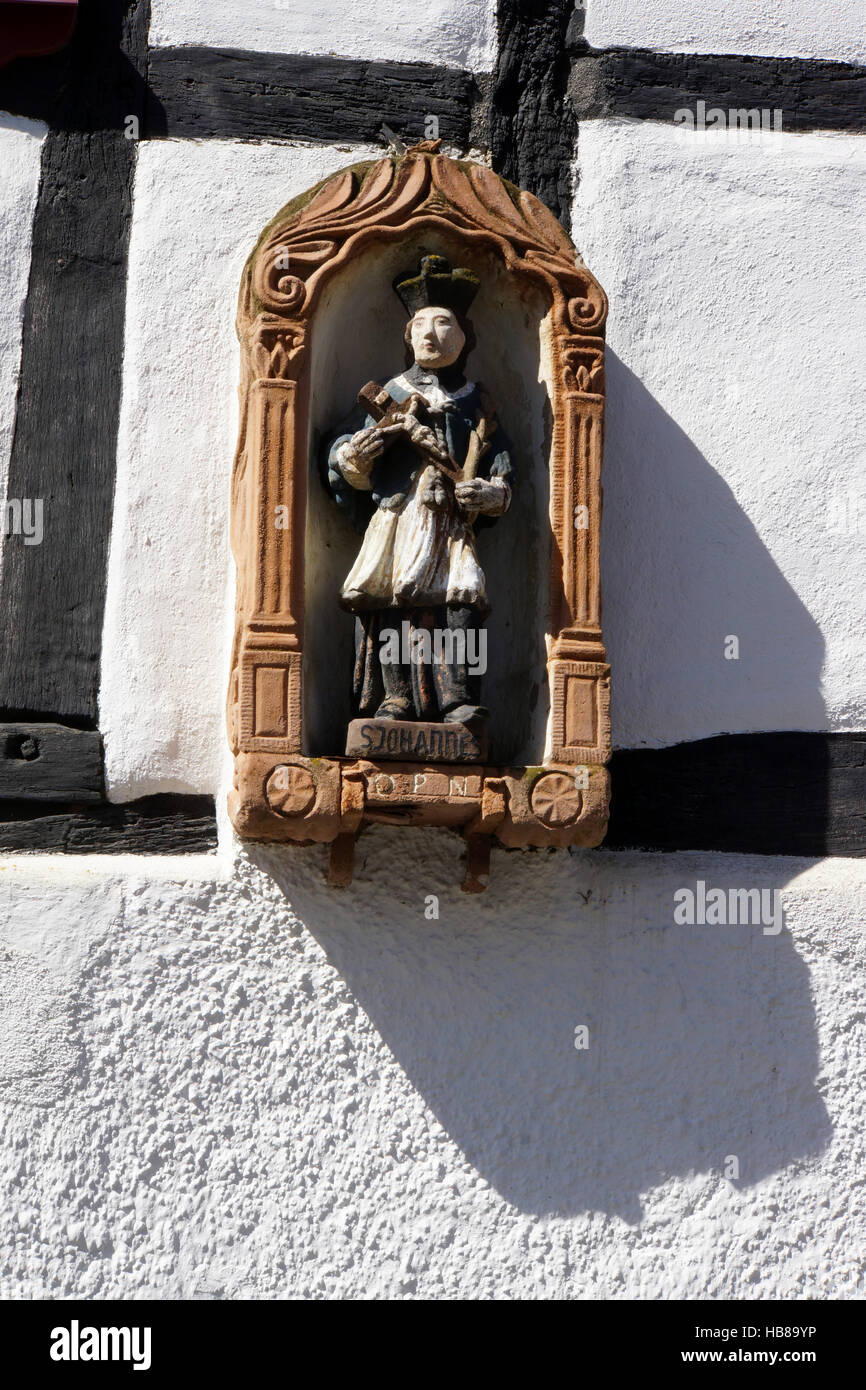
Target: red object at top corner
32	27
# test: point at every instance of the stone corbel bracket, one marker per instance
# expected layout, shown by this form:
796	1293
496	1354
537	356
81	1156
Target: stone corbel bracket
278	793
315	800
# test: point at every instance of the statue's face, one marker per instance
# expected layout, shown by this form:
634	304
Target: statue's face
437	338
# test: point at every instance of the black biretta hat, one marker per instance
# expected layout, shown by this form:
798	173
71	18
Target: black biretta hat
435	284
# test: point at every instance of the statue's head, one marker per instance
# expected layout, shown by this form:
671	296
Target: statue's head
436	298
436	337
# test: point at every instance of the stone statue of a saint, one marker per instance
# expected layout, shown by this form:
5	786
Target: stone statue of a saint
429	464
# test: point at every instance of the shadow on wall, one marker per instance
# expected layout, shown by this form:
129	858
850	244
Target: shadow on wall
684	572
684	569
702	1041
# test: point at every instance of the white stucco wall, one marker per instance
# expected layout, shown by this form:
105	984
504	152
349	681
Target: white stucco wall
460	33
199	209
20	153
777	28
254	1087
735	500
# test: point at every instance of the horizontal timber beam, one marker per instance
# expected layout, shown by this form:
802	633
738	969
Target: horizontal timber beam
231	94
811	93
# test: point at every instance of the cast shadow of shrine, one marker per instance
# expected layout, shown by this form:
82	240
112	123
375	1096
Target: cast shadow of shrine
702	1038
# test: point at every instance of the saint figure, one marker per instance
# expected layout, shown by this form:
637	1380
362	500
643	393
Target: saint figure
428	465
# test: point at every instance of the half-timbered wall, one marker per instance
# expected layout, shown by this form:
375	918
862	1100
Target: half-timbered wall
220	1078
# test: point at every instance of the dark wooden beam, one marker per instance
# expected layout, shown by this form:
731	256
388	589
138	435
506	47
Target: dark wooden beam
785	793
812	94
153	825
47	762
52	595
532	124
217	93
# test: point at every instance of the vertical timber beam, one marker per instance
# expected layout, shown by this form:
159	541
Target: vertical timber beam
532	125
52	596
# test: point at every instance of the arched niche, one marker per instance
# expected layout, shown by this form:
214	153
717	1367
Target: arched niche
358	338
316	318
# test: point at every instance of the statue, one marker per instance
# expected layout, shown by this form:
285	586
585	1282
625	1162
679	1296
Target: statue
429	464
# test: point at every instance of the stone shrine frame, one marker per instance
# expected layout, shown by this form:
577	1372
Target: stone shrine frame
279	792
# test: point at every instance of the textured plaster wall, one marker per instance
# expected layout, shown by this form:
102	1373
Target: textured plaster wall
199	209
244	1085
20	149
778	28
461	33
219	1078
735	501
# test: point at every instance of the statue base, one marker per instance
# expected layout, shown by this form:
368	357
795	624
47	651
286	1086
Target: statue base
405	740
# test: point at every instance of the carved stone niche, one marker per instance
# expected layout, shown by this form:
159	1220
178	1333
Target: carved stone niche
316	317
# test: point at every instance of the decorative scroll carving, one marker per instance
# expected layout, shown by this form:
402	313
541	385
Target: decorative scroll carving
278	793
298	256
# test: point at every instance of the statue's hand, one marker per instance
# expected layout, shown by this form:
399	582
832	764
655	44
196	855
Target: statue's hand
425	438
357	456
365	447
478	495
433	492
